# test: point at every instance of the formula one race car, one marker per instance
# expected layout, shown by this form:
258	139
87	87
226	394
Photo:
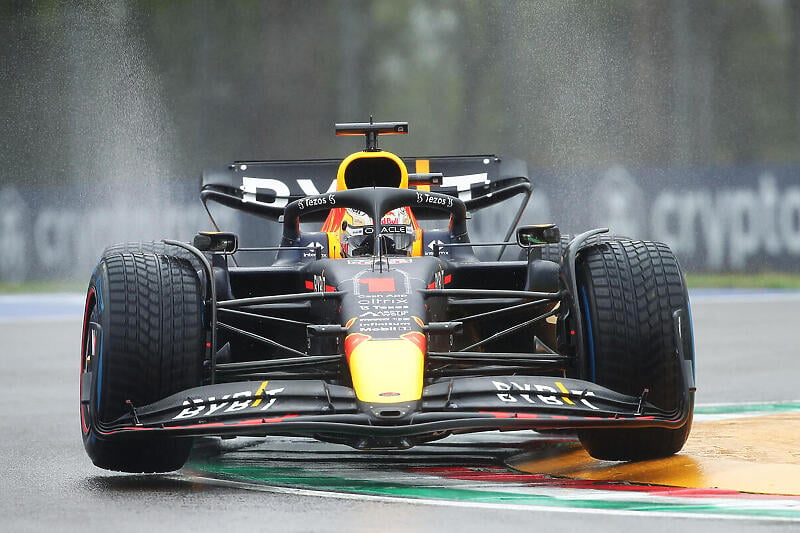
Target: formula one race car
381	329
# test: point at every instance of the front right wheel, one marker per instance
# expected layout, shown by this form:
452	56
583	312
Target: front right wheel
629	292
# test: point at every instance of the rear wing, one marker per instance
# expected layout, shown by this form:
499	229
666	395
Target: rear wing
264	188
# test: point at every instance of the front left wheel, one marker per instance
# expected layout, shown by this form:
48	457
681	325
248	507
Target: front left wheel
630	292
143	340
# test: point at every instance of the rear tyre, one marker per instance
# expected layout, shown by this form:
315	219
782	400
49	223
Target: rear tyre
629	291
146	247
143	340
548	252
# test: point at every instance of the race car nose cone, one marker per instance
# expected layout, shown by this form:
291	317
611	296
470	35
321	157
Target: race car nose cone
386	371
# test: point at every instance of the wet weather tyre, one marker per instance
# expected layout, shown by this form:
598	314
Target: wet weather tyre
146	247
629	292
553	252
548	252
155	247
143	340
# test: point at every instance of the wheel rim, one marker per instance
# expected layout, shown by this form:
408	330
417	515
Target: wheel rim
89	344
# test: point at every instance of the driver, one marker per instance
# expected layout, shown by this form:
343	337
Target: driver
357	235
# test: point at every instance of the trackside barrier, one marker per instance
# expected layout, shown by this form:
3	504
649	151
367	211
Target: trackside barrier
736	219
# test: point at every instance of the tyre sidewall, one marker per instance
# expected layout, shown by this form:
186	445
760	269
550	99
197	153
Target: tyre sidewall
95	310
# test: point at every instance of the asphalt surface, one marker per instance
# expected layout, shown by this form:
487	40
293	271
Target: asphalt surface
747	346
747	351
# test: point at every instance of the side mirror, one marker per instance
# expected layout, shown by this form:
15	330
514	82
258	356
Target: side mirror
220	242
538	234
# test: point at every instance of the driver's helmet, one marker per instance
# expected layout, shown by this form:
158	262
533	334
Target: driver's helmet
358	239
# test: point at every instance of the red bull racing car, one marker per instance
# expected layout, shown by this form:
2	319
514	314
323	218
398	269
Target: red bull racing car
374	324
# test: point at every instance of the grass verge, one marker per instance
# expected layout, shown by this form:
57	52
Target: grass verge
759	280
33	287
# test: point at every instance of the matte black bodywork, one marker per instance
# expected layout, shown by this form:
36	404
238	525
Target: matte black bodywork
505	348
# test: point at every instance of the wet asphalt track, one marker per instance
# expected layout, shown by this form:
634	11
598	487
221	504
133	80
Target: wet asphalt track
747	351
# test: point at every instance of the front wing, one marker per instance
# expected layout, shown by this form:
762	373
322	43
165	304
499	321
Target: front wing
313	407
